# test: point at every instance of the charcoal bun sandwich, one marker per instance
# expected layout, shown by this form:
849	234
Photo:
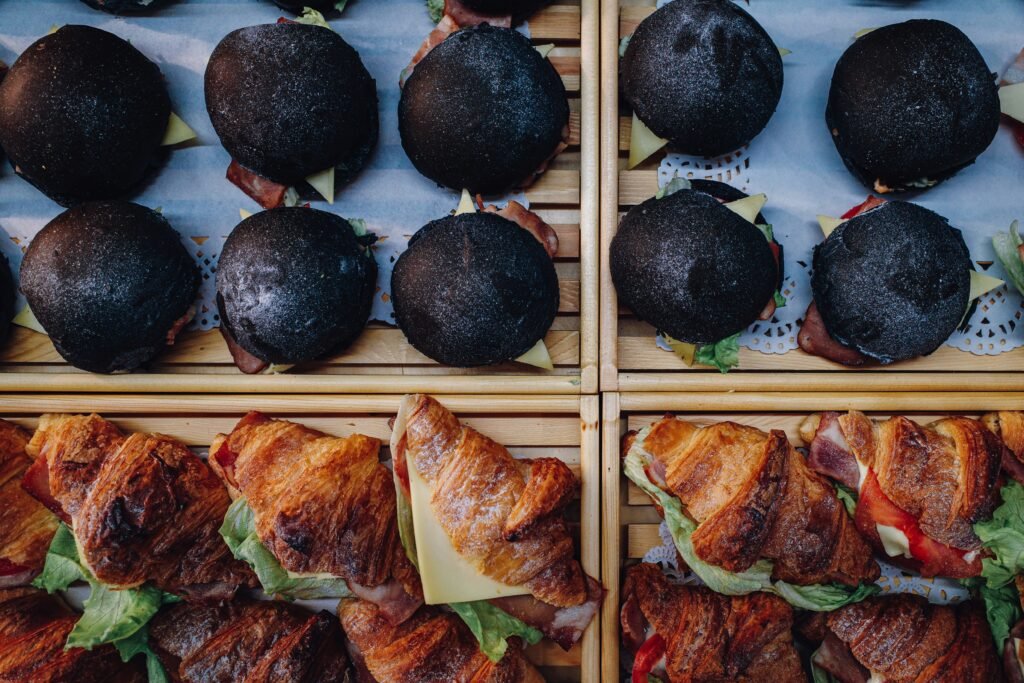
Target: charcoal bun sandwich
125	6
890	283
701	75
294	284
699	263
293	106
111	283
479	288
318	5
83	115
483	111
911	104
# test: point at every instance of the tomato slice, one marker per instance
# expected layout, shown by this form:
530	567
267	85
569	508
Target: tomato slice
870	203
649	654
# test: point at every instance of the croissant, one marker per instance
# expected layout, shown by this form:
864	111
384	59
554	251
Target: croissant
26	527
1009	427
929	483
1013	646
142	507
753	497
502	515
432	645
322	505
699	636
33	628
249	641
905	639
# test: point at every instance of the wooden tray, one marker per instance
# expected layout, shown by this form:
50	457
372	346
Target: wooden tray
630	361
381	360
630	522
565	427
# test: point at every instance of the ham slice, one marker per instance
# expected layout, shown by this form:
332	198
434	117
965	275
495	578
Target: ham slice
815	340
564	625
395	604
266	193
830	454
244	361
36	482
463	15
834	656
633	624
527	220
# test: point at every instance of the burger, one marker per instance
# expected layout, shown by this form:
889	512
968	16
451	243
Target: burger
293	285
83	115
483	111
293	106
700	75
111	283
911	104
124	6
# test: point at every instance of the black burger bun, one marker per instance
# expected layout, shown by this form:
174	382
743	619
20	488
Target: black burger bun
474	289
290	100
702	74
125	6
482	111
692	267
517	9
295	284
323	6
892	283
83	115
911	104
110	282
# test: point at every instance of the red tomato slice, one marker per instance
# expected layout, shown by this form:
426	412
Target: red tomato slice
647	657
871	202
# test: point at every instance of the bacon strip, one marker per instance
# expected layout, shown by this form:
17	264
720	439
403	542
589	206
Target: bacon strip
526	219
830	454
264	192
564	625
244	361
180	324
36	482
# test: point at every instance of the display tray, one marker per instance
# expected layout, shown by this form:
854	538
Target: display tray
564	427
630	522
795	164
381	360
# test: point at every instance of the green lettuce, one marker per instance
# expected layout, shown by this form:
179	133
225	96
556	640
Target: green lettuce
138	644
769	234
493	626
1002	607
623	44
239	532
340	5
819	598
313	18
435	8
1007	247
1004	536
724	354
673	186
848	498
819	675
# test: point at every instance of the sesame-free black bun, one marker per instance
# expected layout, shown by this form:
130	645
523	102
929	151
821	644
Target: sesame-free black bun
124	6
517	9
702	74
295	284
911	104
289	100
323	6
892	283
474	289
482	111
691	267
7	293
111	284
82	115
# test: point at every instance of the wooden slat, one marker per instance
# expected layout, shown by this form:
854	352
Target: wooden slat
802	402
630	18
555	23
566	61
555	187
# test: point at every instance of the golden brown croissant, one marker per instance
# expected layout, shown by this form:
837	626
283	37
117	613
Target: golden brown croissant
1008	425
26	527
904	639
249	641
142	507
753	497
33	629
322	504
930	483
705	637
433	645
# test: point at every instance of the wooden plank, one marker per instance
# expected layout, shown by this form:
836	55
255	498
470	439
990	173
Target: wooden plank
590	193
610	536
631	17
590	512
895	402
862	381
555	23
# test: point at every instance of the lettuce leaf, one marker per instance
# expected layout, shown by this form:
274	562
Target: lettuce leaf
435	8
780	301
62	566
819	598
311	17
493	626
1004	536
239	532
724	354
1007	248
819	675
138	644
673	186
406	531
340	5
623	44
848	499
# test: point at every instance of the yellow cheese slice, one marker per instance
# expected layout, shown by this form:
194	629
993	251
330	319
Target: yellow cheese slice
982	284
53	29
748	207
26	318
323	183
642	142
244	214
544	50
783	52
177	131
894	541
687	352
863	32
1011	101
537	356
828	224
466	204
446	575
278	368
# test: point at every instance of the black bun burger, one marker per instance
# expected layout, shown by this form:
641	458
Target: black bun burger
889	284
911	104
293	285
692	267
474	289
82	115
290	100
702	74
111	283
124	6
483	111
517	9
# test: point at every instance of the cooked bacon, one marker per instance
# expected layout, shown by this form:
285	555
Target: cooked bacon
12	574
527	220
444	28
180	324
559	148
37	482
633	624
834	656
564	625
244	361
830	455
264	192
768	311
394	602
815	340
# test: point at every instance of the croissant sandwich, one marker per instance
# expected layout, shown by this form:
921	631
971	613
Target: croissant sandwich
248	641
433	645
691	634
903	638
314	515
26	527
33	629
747	514
487	530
